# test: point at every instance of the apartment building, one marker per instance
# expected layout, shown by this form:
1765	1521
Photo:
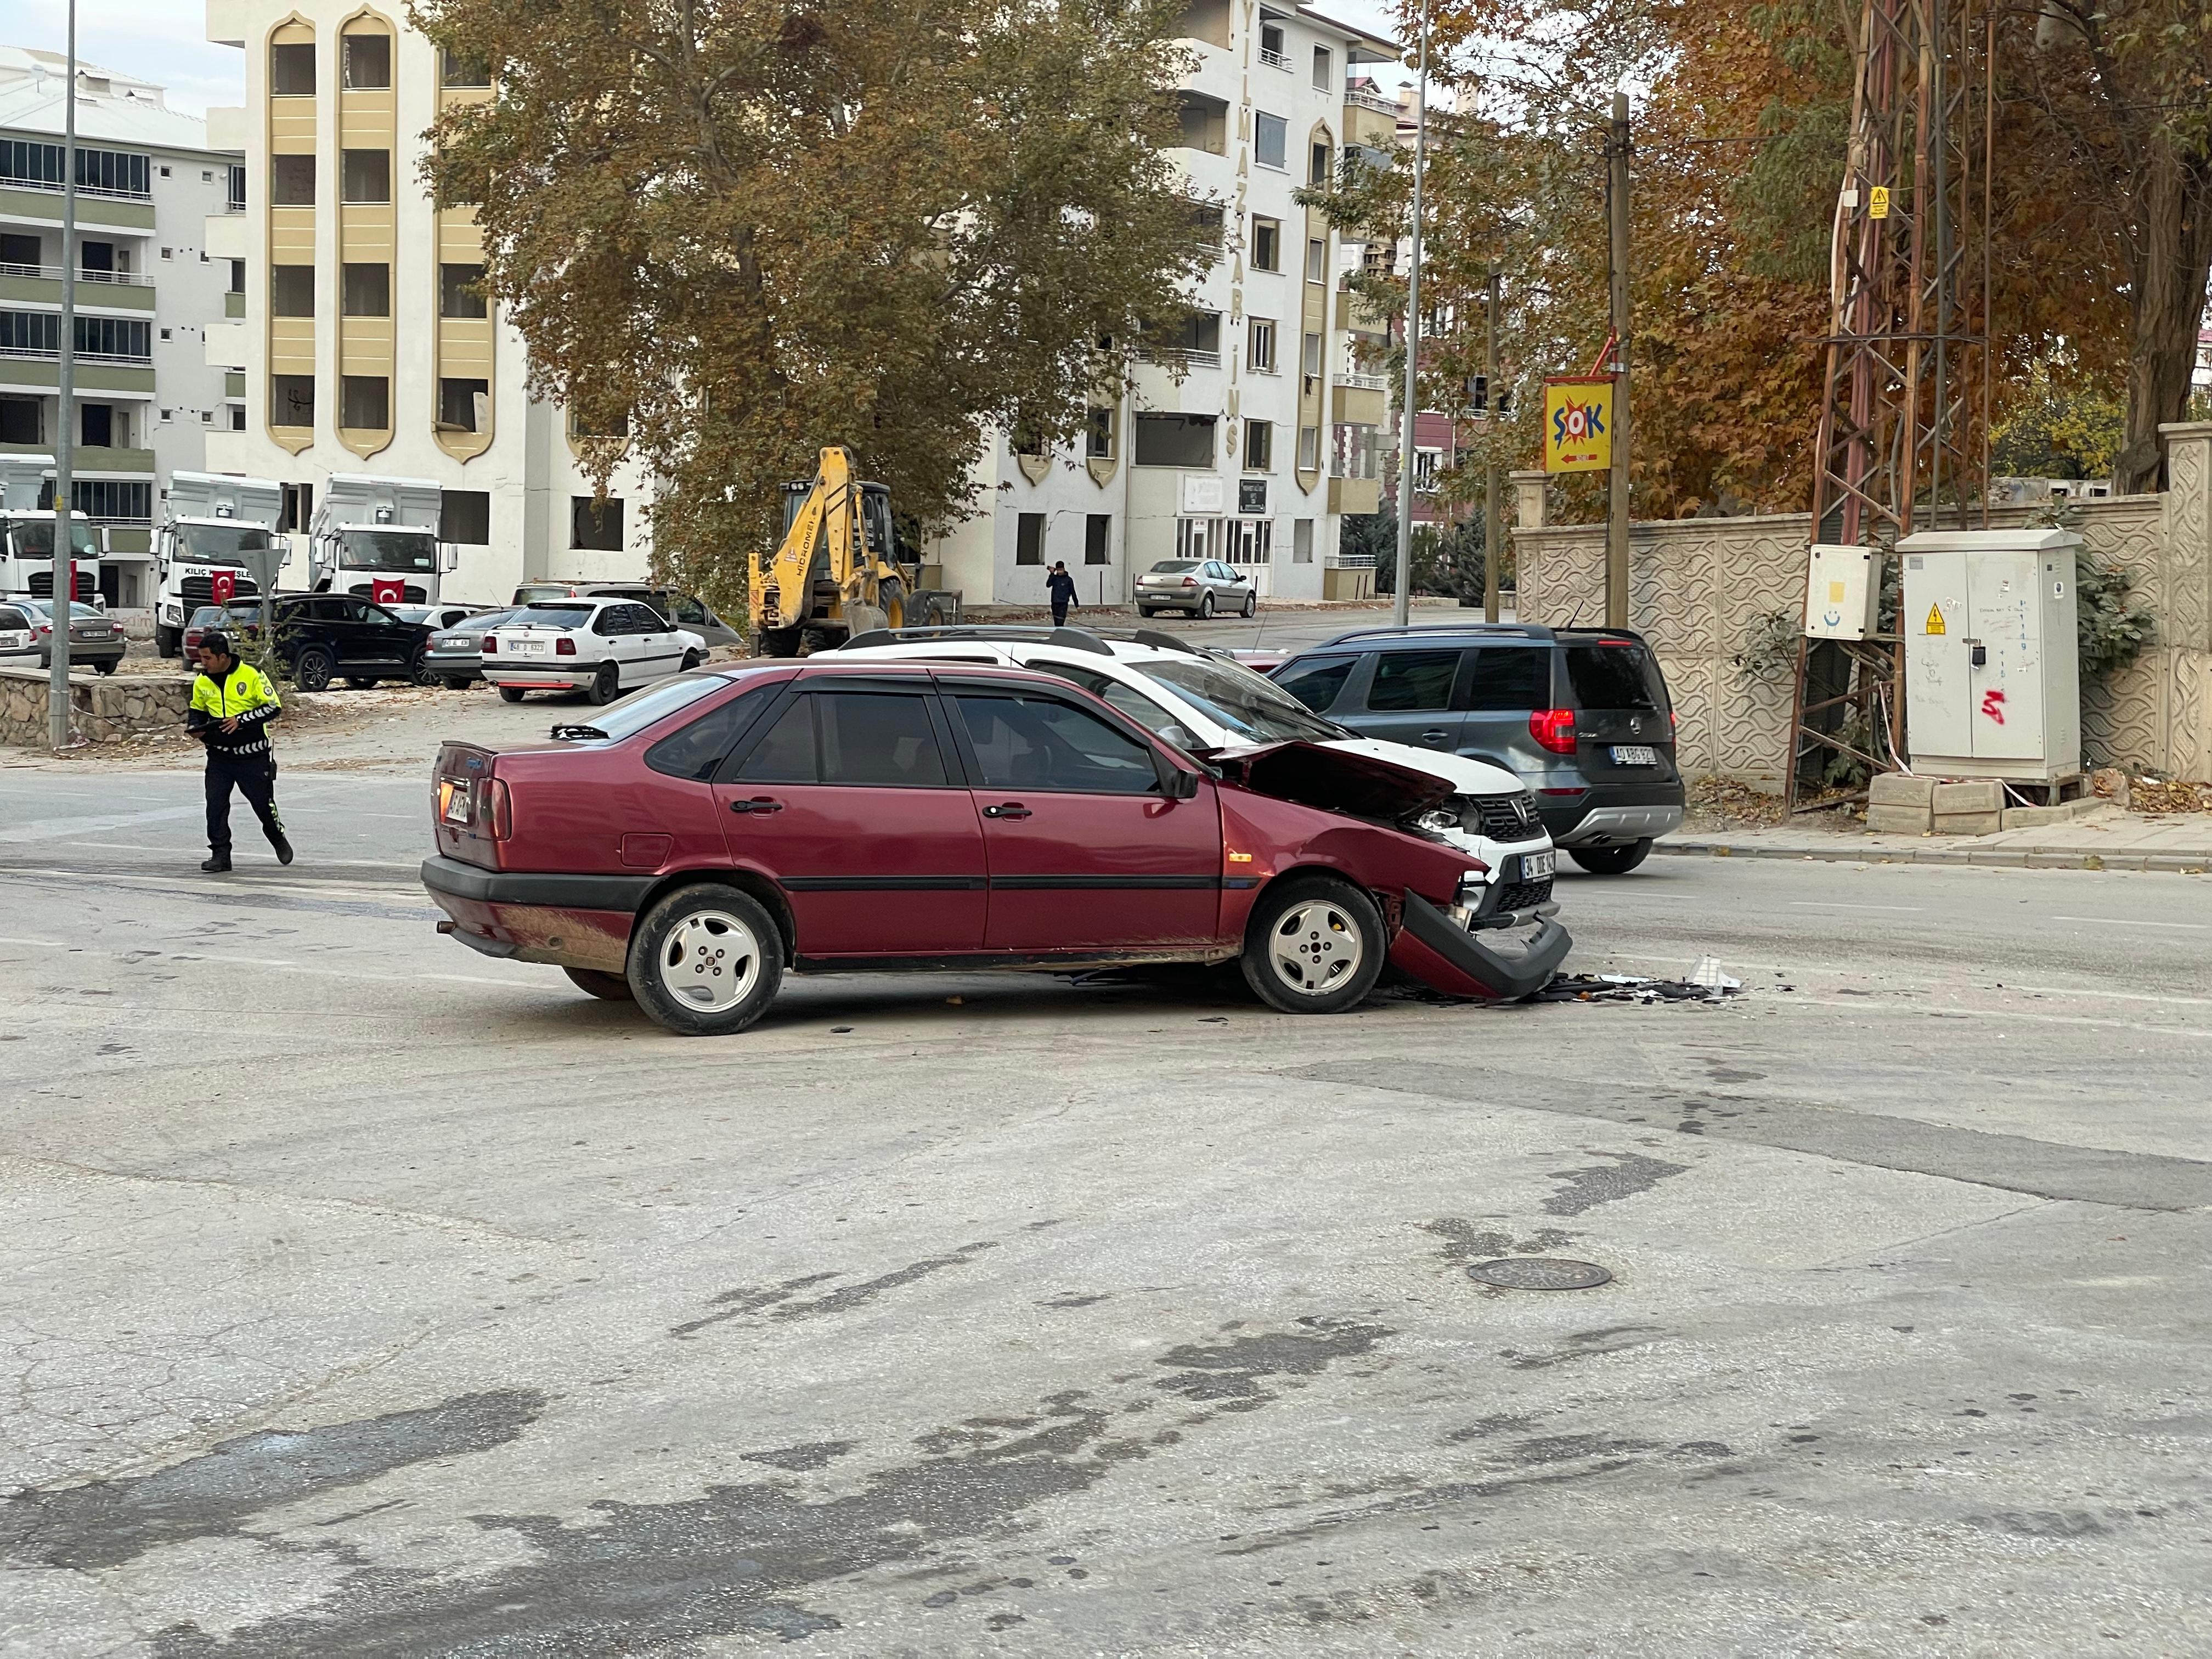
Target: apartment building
1270	434
150	182
365	345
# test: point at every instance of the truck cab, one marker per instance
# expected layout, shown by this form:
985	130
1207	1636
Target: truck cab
377	538
221	530
26	533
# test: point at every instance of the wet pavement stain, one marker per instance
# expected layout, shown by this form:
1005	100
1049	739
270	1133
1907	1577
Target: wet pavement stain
800	1458
1465	1242
1627	1175
774	1302
653	1577
107	1523
1583	1344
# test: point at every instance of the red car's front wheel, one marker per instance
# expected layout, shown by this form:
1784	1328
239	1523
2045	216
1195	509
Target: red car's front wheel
1314	946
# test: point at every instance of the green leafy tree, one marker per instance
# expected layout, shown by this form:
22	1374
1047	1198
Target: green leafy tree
2059	430
749	230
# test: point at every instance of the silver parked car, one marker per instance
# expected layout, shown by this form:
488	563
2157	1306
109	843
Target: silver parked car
1201	587
95	640
455	655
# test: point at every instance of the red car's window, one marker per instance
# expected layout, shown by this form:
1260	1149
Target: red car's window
879	739
1037	743
785	755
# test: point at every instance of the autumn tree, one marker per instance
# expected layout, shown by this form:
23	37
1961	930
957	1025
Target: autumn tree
750	228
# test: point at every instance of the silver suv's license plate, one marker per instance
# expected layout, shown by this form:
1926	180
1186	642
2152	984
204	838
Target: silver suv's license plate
1634	754
1537	866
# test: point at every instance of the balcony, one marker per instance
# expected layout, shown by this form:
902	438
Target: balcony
1363	382
1371	101
105	290
1274	59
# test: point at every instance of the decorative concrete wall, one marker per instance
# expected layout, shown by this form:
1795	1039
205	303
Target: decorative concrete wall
102	708
1698	587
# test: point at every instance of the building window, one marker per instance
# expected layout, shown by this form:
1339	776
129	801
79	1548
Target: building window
112	498
1258	445
19	420
115	337
454	70
292	70
292	181
461	291
1249	541
298	511
1266	244
1271	46
291	400
1317	259
236	200
1301	542
367	66
365	402
463	405
1425	463
465	516
596	525
1260	344
237	417
1309	449
26	161
1310	364
1098	434
23	252
1028	538
602	425
1358	451
31	333
1204	123
367	291
1270	140
291	290
112	172
365	177
238	275
96	426
1324	69
1099	539
1318	169
1197	539
1175	440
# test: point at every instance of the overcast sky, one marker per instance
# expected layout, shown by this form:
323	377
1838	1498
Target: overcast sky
165	41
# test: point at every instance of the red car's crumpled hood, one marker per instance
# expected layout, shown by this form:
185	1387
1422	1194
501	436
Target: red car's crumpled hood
1332	780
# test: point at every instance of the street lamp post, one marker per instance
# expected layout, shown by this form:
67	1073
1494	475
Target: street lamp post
64	589
1401	605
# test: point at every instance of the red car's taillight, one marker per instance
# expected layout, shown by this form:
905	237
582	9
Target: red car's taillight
490	645
495	811
564	647
1554	728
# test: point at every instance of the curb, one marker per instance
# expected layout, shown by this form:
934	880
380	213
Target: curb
1986	858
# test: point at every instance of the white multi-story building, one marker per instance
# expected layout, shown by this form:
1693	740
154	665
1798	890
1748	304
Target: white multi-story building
150	289
1270	436
365	345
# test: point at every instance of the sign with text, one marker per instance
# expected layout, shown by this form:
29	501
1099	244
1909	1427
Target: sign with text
1252	498
1578	424
1201	492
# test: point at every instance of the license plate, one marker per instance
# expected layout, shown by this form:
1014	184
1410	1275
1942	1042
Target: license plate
1634	754
526	647
1537	866
453	802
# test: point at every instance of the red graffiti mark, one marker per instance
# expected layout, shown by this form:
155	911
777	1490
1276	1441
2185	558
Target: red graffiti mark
1993	706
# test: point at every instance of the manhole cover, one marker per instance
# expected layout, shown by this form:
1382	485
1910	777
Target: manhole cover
1538	1272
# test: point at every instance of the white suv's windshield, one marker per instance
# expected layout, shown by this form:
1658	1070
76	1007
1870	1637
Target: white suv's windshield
1253	707
221	543
414	550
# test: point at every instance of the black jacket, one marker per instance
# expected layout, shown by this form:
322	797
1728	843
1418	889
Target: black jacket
1059	587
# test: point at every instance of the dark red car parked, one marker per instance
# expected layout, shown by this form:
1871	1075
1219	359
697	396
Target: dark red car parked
707	835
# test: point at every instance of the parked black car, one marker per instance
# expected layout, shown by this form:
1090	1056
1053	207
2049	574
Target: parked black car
1581	714
323	636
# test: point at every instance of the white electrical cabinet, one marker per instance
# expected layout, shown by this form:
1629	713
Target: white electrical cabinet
1842	592
1992	661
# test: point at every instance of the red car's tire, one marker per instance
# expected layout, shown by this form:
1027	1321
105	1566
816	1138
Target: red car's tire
607	988
1314	945
707	960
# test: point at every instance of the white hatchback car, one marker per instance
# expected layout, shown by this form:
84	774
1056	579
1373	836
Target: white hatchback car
602	647
1201	700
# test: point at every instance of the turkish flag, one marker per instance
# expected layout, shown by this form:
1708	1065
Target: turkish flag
386	592
221	586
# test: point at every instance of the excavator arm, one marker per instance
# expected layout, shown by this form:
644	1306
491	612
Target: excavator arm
827	580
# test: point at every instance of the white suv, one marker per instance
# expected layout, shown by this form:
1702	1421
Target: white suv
1201	700
602	647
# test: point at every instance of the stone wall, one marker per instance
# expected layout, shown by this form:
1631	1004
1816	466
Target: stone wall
1699	586
102	708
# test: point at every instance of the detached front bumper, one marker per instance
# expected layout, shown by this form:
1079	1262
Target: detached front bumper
1436	949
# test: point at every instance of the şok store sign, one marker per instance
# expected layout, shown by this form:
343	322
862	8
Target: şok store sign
1578	425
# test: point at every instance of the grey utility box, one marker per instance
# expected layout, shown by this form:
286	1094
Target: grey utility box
1992	661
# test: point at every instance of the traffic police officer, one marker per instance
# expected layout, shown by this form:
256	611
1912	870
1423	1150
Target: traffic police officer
233	703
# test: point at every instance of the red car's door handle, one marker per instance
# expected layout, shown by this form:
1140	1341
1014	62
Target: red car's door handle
1012	809
757	804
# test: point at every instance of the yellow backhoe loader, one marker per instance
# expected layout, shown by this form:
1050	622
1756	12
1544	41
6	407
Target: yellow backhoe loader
837	572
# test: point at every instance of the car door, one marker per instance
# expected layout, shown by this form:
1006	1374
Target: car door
1086	850
1409	698
386	640
847	799
654	647
18	638
1504	684
608	638
332	621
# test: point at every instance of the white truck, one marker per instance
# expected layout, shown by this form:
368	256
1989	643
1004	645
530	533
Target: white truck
220	530
26	534
377	537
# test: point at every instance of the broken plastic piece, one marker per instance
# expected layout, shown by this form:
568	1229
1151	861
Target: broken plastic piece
1708	974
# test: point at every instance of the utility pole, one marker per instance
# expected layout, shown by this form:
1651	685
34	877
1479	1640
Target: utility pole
1402	599
57	685
1616	540
1493	535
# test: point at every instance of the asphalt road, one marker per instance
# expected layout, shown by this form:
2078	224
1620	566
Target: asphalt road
368	1297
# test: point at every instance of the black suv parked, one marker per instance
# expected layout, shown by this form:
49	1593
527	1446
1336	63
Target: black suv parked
320	636
1581	714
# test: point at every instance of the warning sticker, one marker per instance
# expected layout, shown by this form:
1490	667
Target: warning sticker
1934	623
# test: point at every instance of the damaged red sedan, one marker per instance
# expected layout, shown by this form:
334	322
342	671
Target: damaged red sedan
703	838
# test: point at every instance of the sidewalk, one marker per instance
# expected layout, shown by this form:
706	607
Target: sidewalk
2110	839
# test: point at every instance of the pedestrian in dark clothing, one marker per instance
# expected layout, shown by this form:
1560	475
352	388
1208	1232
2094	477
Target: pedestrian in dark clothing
233	703
1059	589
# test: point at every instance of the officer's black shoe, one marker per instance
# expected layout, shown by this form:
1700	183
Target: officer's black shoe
216	864
283	848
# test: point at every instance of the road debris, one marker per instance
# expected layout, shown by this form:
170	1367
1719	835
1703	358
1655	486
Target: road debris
1713	986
